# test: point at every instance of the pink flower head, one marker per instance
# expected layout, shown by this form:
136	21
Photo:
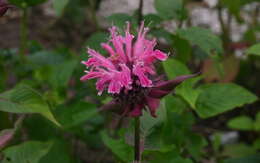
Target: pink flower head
128	72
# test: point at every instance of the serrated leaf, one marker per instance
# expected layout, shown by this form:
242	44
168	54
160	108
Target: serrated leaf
24	99
202	38
254	50
241	123
215	99
28	152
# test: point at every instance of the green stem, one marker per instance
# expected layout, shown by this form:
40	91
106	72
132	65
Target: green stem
137	140
23	34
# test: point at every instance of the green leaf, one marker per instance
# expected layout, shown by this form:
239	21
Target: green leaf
247	159
26	3
257	122
61	73
152	20
256	144
187	91
45	58
182	48
122	150
254	50
148	122
59	6
175	104
28	152
238	150
95	40
218	98
162	34
169	9
58	153
24	99
241	123
75	114
195	144
202	38
174	68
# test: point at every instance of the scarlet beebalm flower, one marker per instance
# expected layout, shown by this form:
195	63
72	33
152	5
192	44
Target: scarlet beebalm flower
129	74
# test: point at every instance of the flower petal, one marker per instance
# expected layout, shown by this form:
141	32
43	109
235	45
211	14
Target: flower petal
171	84
160	55
153	104
137	111
157	93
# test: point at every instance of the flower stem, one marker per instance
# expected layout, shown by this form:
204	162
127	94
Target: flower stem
137	140
23	34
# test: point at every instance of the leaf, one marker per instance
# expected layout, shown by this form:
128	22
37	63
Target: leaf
174	68
95	40
24	99
202	38
175	104
257	122
26	3
254	50
241	123
169	9
256	144
152	20
44	58
28	152
187	91
247	159
59	6
162	34
238	150
195	144
75	114
148	122
58	153
182	48
61	73
122	150
218	98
